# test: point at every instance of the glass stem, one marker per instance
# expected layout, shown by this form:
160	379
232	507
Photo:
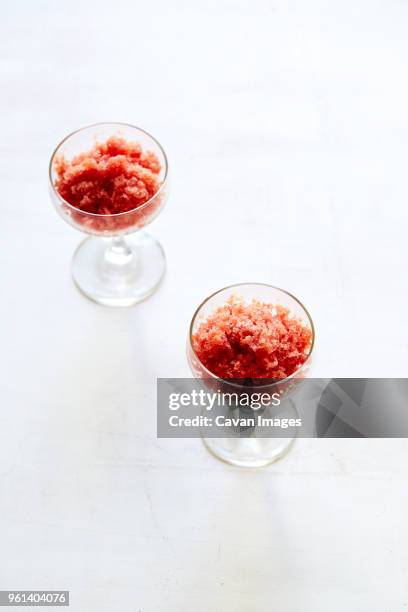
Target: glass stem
118	252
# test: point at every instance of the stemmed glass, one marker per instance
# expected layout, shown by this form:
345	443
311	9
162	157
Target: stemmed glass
251	451
118	264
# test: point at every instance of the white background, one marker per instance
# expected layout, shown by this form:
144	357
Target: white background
286	125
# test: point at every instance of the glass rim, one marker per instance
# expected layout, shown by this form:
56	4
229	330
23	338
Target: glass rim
279	381
114	215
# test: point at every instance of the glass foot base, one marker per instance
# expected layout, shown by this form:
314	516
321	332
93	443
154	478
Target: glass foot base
248	452
118	271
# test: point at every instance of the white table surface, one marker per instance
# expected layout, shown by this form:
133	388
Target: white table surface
286	125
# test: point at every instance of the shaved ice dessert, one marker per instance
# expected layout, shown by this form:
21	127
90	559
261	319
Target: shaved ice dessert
251	340
113	177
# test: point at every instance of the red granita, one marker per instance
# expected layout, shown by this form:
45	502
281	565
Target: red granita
252	340
113	177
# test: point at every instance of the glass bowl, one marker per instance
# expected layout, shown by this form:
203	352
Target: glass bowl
118	264
251	451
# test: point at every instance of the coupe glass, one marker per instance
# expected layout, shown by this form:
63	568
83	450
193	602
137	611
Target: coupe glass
251	451
118	264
